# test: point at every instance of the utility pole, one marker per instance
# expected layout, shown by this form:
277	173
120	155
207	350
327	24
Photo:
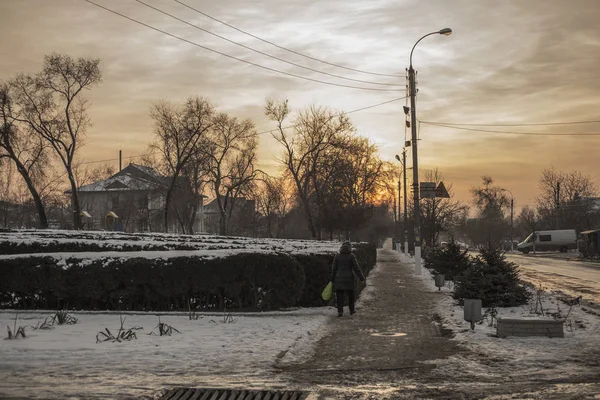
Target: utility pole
512	205
413	126
557	204
405	210
399	213
395	219
415	160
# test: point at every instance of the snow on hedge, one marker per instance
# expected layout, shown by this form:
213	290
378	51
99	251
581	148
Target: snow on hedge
110	243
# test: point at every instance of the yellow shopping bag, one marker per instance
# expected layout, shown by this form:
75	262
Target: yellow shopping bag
326	295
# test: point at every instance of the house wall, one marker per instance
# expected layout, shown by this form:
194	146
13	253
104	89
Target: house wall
138	211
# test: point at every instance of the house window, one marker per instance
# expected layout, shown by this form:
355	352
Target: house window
545	238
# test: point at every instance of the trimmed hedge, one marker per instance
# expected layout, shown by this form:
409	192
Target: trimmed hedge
249	280
264	281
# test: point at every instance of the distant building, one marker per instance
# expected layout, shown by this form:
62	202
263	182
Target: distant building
133	200
241	222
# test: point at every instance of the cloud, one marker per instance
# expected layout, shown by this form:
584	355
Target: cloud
506	62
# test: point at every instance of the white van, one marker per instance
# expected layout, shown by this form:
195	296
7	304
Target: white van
561	240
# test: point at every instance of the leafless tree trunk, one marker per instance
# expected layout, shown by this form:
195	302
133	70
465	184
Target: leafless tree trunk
27	153
180	130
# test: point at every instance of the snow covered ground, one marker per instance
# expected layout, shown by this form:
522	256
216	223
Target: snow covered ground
66	362
574	357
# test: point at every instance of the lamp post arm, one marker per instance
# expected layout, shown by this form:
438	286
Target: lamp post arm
413	48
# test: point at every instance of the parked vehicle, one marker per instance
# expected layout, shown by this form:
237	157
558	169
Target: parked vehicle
561	240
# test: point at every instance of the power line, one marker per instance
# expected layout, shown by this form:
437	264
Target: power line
233	57
525	124
338	114
281	47
261	52
512	132
116	159
263	132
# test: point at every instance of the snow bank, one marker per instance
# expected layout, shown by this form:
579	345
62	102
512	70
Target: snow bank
540	356
67	362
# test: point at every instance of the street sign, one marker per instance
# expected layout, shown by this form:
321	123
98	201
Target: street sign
427	190
441	191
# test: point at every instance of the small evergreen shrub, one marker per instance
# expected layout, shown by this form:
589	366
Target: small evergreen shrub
450	261
493	279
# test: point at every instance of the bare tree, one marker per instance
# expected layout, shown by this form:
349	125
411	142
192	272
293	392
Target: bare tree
527	222
273	202
230	152
357	179
440	214
491	202
567	200
196	175
26	151
51	105
314	131
179	130
90	173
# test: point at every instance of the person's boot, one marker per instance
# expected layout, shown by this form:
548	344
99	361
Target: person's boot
352	312
340	313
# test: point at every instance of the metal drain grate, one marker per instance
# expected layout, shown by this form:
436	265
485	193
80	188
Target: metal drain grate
229	394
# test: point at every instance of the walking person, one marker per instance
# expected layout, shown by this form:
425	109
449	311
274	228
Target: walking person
343	272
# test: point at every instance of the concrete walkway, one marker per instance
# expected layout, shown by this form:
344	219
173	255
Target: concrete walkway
388	338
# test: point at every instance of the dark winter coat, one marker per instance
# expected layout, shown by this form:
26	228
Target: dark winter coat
345	268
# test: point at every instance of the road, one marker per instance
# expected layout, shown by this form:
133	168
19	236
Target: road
555	272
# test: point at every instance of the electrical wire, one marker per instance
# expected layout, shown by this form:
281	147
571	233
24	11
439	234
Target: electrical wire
265	132
262	52
233	57
512	132
524	124
338	114
281	47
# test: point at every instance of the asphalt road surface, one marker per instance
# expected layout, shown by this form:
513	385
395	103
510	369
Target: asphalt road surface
558	272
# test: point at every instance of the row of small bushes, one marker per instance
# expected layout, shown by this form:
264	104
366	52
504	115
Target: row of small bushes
244	281
489	276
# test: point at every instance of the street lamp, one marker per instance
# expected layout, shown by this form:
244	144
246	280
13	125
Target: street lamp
403	162
413	126
512	205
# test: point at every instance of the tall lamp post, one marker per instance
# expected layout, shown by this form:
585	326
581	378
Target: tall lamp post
403	162
512	206
413	126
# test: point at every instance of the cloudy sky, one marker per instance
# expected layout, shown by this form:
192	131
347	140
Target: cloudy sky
507	62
